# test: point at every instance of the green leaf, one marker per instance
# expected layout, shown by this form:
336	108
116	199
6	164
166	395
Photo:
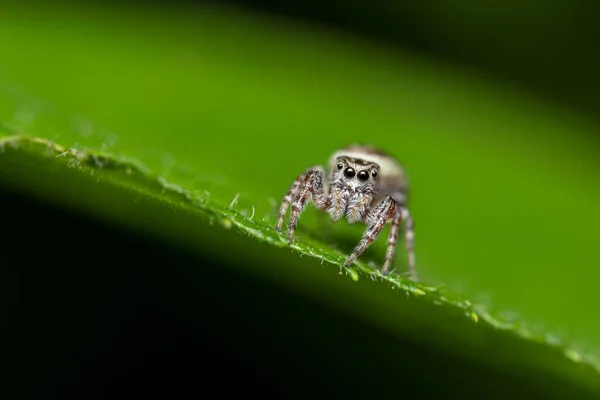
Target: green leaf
192	131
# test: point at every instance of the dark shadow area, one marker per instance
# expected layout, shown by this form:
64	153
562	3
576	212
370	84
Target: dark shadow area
98	313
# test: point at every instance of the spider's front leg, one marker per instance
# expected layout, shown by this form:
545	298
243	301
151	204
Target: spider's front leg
307	185
376	219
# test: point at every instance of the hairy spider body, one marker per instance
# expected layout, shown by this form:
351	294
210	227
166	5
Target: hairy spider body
364	185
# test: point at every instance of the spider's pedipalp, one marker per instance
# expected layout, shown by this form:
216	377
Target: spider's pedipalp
359	205
338	202
376	219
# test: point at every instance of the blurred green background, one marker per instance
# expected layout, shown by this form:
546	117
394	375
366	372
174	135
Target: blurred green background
504	182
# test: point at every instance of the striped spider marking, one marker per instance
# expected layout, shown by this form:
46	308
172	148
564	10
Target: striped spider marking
364	185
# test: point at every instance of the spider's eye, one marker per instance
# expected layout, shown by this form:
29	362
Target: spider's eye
374	174
349	173
340	166
363	176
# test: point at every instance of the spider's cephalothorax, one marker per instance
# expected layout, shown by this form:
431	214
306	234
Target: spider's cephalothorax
364	185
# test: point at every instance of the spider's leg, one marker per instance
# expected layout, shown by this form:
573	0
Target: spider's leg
392	238
376	219
289	196
311	187
410	242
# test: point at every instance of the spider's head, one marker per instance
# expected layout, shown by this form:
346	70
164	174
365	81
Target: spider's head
355	172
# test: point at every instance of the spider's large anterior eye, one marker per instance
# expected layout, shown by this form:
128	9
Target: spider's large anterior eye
349	173
340	166
363	176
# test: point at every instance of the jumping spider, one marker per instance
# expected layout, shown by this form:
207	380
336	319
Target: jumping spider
365	185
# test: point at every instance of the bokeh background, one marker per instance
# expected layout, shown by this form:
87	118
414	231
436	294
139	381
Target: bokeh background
491	106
